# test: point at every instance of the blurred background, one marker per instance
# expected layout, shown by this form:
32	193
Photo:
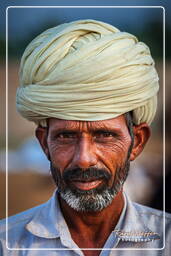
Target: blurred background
29	179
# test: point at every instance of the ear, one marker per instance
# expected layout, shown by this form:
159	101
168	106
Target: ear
42	134
141	135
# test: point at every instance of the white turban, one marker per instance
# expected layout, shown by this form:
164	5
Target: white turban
87	70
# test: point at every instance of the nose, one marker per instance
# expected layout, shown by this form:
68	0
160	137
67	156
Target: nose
85	154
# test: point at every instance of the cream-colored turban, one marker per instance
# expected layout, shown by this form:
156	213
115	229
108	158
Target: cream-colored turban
87	70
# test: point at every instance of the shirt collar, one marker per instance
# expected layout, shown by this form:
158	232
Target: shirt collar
45	223
49	222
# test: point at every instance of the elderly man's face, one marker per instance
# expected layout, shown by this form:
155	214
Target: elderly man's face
89	160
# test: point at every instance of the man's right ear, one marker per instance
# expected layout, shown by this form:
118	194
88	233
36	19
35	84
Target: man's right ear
42	134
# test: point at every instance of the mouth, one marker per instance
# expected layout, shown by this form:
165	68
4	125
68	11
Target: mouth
86	184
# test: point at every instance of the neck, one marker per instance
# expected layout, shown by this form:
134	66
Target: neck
93	225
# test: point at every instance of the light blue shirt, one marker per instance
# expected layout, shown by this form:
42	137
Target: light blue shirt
42	231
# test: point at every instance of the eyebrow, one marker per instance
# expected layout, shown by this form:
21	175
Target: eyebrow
91	130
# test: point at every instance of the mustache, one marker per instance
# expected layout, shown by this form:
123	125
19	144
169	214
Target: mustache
85	174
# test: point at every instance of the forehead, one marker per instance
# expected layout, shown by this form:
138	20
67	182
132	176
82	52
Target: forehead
114	123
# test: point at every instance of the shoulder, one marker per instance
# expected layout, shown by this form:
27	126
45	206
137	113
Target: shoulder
154	217
157	221
16	223
148	211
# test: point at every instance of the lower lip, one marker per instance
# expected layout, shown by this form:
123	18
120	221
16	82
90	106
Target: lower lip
87	185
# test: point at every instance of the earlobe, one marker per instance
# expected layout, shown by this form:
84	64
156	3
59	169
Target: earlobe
41	135
141	136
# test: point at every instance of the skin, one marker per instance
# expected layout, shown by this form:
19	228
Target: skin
84	144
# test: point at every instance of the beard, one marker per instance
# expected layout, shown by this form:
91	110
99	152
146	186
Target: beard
92	200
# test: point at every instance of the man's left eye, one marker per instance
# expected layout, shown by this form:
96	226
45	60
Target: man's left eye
104	135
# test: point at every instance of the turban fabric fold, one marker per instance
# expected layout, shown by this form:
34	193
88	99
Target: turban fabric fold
87	70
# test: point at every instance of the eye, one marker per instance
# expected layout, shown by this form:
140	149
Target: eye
66	135
104	134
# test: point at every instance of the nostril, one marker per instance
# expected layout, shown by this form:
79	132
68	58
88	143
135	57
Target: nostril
85	161
85	156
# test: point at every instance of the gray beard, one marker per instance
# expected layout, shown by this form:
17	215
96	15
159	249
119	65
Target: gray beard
93	200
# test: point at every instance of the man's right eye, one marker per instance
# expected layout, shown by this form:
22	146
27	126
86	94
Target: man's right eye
66	135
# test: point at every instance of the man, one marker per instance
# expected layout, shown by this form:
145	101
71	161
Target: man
91	90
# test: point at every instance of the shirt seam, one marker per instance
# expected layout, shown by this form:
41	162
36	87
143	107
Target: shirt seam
150	213
13	223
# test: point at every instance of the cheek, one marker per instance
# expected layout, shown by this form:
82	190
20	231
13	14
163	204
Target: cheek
60	155
114	154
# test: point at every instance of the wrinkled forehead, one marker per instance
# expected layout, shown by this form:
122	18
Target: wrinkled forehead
114	123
